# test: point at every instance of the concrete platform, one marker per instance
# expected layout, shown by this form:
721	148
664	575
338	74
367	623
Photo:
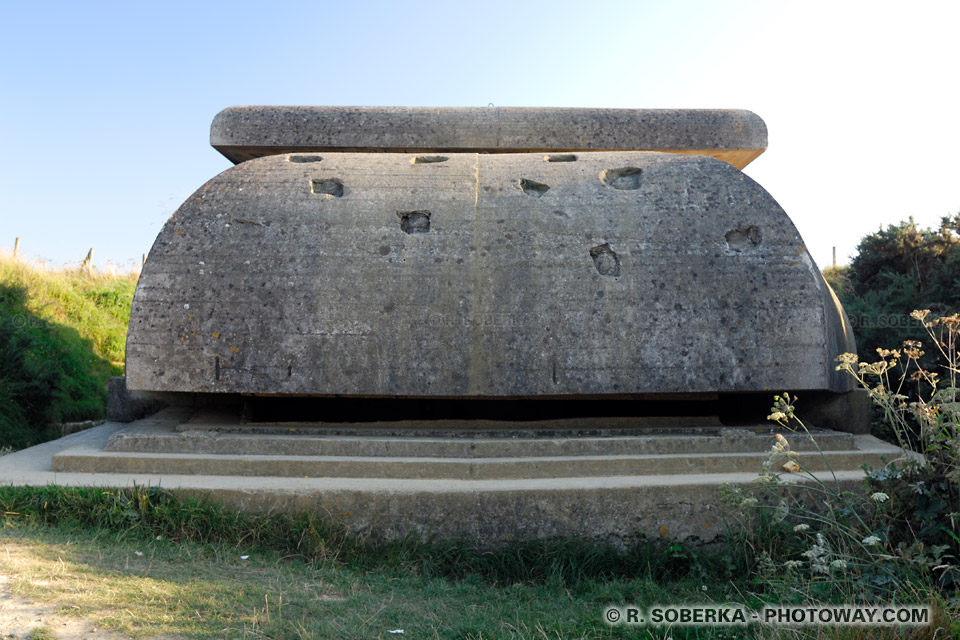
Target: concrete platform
467	488
735	136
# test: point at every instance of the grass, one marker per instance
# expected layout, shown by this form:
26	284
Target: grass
149	588
94	303
62	336
150	564
152	513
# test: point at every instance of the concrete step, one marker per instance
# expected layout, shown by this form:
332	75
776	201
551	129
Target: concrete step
468	448
171	444
360	466
603	439
683	505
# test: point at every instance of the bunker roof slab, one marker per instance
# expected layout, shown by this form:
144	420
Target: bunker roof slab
242	133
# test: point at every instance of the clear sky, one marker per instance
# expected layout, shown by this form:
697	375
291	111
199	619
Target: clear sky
106	106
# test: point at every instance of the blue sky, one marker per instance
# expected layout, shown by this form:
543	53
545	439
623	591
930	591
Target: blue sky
106	106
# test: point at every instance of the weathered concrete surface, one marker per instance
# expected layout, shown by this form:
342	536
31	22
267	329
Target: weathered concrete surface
323	440
126	406
243	133
512	467
162	447
681	505
483	275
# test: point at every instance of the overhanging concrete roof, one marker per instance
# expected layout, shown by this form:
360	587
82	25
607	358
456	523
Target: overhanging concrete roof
242	133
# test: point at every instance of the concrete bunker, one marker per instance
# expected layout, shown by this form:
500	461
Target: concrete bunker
604	291
669	275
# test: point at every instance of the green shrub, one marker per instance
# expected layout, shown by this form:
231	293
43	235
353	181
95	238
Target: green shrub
894	272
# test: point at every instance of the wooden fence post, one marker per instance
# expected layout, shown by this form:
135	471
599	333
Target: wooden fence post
87	262
16	248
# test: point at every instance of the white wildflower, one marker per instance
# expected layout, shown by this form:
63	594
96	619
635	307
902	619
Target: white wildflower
879	496
781	512
818	555
838	564
800	528
871	540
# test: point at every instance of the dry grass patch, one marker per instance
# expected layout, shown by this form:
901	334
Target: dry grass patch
158	592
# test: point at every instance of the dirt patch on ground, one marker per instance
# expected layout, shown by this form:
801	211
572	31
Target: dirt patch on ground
21	617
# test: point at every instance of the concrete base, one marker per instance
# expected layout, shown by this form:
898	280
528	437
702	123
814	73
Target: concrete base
124	405
488	489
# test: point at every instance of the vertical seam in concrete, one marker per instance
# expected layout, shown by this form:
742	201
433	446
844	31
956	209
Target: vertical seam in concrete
475	368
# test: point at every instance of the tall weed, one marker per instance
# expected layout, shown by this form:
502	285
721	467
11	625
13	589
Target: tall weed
892	539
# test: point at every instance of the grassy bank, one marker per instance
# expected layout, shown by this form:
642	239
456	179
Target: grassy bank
62	336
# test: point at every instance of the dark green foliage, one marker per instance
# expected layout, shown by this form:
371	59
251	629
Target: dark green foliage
570	561
46	374
917	516
896	271
26	384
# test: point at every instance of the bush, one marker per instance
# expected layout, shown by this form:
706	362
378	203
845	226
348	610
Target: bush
894	272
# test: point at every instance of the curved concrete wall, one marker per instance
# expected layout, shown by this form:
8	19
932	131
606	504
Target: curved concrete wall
460	274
